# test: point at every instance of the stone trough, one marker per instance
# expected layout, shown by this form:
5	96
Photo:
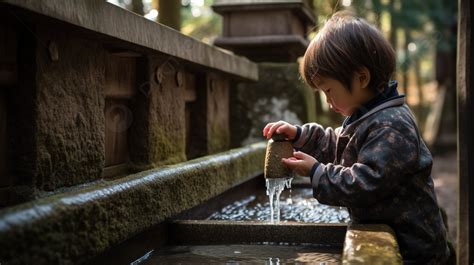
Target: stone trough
194	237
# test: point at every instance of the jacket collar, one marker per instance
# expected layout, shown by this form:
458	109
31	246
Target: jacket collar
389	92
397	101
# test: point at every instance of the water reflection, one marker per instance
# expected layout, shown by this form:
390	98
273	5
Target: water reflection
245	254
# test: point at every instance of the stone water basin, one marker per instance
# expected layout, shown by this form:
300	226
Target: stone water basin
232	228
231	242
228	230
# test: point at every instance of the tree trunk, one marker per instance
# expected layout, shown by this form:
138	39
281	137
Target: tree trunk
378	12
419	87
446	77
393	25
406	64
137	7
465	240
169	13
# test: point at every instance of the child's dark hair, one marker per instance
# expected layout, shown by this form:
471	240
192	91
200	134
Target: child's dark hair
343	46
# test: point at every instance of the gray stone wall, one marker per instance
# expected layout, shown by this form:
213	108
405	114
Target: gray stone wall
70	110
280	94
57	126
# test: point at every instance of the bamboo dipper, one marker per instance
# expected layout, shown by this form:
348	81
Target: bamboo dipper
277	148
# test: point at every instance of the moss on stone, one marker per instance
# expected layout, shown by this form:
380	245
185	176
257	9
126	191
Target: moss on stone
218	139
166	118
74	226
69	149
165	148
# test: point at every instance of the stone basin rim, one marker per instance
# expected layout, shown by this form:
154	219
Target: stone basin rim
25	212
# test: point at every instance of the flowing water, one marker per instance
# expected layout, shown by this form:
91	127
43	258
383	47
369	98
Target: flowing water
297	204
274	188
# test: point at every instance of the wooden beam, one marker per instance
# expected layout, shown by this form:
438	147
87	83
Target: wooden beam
8	78
8	51
120	77
465	138
119	90
169	13
117	122
189	81
4	181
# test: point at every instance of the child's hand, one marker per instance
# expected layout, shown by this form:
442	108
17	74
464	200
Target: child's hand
280	127
301	163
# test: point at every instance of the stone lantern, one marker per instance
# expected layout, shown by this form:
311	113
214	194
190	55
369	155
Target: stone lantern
274	34
265	30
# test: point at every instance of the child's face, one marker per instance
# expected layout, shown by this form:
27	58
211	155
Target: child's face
342	100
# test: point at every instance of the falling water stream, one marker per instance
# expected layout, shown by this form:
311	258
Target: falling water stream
296	205
274	188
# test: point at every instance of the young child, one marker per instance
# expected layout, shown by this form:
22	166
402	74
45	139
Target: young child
376	163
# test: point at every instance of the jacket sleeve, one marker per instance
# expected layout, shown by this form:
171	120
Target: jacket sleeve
384	160
313	139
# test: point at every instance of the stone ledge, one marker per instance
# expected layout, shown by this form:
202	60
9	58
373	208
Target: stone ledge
73	226
102	17
371	244
237	232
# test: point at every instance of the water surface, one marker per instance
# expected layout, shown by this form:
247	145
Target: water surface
296	204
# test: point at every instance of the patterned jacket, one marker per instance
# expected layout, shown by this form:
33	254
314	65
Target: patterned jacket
380	169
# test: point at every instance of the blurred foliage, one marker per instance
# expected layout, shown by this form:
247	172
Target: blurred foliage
199	21
428	27
426	24
425	20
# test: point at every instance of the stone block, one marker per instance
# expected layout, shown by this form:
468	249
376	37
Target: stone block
69	118
371	244
279	95
158	137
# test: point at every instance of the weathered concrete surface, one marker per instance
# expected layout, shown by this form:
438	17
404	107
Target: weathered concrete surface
74	226
235	232
105	18
371	244
280	94
69	104
158	133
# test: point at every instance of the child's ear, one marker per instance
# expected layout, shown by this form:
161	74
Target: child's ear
364	77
